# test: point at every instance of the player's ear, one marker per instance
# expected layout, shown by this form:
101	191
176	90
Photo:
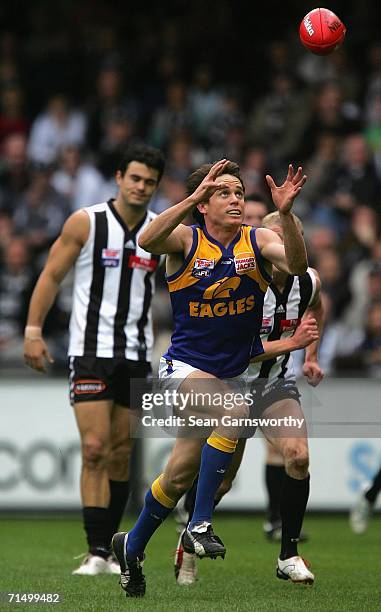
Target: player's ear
202	207
118	177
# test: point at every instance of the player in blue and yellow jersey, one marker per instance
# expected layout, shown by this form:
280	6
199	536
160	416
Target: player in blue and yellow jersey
218	272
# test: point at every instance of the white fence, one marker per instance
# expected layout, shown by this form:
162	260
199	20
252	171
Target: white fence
40	454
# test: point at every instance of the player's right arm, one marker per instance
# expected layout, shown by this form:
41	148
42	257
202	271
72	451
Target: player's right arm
62	256
166	233
305	334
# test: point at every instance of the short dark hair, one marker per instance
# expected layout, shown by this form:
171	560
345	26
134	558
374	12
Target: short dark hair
151	157
194	180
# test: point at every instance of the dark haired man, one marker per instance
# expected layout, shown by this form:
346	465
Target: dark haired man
217	274
110	337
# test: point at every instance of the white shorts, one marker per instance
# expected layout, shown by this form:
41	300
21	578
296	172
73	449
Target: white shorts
172	375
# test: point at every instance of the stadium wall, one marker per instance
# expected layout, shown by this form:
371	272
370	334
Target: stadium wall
40	451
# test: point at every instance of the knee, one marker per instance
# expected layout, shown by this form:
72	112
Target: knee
94	453
297	461
178	484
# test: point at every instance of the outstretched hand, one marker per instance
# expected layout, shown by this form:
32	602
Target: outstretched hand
284	195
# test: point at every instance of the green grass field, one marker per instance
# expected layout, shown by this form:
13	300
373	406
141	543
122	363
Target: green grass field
37	556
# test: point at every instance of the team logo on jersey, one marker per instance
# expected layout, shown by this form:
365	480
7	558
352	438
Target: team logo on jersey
218	291
289	325
222	288
92	387
202	268
244	262
148	265
110	258
266	326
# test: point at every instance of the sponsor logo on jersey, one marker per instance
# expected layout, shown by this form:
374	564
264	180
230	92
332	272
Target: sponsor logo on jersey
244	263
148	265
266	326
287	325
110	258
280	309
129	244
202	268
89	386
226	262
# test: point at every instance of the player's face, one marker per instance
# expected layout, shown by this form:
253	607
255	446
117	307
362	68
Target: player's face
137	184
226	205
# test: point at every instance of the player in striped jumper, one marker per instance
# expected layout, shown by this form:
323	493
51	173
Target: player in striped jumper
110	338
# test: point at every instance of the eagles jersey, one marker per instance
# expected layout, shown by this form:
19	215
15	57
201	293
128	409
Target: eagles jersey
217	300
282	312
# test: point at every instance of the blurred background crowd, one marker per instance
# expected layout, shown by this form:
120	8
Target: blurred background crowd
80	81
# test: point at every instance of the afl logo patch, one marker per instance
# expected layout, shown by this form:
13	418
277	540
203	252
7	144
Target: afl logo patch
110	258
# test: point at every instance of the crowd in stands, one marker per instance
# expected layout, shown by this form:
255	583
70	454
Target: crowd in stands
78	84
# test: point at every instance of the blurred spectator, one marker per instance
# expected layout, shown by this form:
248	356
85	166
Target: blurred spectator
110	100
319	238
361	236
333	280
321	169
40	211
12	115
254	169
78	180
369	350
279	118
119	130
355	183
205	102
14	171
56	127
329	114
6	232
255	209
174	117
171	191
361	290
16	281
180	162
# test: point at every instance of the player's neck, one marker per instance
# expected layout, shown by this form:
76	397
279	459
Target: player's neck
131	215
224	235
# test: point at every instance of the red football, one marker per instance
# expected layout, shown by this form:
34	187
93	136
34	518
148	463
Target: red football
321	31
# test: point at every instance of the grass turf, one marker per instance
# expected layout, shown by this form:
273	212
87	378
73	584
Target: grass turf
37	556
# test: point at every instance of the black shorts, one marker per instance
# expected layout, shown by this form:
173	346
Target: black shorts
264	396
93	379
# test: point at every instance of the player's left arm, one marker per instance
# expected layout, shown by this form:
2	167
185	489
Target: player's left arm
311	368
291	256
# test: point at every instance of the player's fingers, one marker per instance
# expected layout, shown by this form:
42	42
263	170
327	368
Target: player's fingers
216	169
301	182
297	175
290	173
270	182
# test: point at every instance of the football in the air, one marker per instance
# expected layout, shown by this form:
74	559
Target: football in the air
321	31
